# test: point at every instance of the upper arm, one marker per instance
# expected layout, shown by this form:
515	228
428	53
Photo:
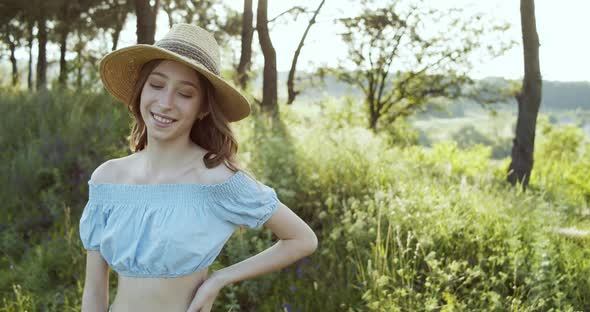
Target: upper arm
285	224
97	269
97	274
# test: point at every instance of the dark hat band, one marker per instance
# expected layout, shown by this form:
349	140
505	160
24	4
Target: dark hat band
190	51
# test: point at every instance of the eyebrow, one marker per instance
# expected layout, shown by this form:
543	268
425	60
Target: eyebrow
181	81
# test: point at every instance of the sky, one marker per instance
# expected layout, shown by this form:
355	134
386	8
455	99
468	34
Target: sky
564	54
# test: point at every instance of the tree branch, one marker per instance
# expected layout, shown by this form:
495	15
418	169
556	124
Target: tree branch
298	10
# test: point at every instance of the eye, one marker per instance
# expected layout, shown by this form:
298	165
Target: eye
155	86
186	96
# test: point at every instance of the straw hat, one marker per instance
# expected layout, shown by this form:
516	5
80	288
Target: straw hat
185	43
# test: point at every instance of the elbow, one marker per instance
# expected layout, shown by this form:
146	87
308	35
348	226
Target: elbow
311	244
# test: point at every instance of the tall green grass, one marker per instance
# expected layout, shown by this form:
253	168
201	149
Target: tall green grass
401	227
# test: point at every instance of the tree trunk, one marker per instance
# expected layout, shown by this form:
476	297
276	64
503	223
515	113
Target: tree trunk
146	20
12	47
246	55
63	70
529	99
167	7
290	81
115	36
373	118
30	74
79	61
269	81
42	56
117	30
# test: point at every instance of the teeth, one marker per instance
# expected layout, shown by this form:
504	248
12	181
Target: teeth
160	119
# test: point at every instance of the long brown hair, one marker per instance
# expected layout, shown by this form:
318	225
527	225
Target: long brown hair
213	132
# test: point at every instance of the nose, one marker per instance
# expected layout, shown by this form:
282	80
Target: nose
166	99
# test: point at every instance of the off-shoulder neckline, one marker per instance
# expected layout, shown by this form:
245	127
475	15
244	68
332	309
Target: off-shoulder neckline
167	185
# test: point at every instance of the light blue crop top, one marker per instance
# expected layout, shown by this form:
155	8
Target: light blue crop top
170	230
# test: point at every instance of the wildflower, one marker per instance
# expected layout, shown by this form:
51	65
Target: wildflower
299	272
286	307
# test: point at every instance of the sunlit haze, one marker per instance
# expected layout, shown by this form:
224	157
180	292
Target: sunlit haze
564	55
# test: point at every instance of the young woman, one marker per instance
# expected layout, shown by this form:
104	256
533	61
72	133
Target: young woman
160	216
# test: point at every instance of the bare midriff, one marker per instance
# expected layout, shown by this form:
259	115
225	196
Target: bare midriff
150	294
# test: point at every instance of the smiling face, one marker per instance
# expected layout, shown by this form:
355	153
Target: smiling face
171	100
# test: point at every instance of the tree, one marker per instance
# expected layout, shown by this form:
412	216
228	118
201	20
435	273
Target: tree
202	10
60	22
111	16
12	47
146	20
77	18
29	24
170	6
205	14
42	52
11	32
30	38
529	99
290	81
269	81
68	13
38	12
247	32
403	55
246	53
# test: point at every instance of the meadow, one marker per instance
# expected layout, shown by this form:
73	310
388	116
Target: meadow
418	217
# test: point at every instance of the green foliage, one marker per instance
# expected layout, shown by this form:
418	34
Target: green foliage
343	112
562	167
401	227
50	142
405	55
469	136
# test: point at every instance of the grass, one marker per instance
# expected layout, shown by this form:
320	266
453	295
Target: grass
401	227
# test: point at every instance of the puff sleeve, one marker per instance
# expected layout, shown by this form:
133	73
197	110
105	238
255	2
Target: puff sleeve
92	223
244	201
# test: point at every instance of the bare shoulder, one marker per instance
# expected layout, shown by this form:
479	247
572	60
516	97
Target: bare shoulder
218	174
105	172
108	171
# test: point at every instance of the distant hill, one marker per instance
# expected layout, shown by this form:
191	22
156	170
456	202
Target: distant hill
556	95
566	95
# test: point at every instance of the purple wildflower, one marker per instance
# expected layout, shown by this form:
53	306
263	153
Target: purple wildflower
299	272
287	307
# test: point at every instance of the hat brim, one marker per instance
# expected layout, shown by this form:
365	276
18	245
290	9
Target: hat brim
120	69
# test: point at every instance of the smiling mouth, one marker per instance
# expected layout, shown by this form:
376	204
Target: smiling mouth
163	120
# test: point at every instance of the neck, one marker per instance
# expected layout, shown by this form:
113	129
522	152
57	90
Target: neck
167	157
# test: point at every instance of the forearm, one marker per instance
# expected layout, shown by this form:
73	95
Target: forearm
94	301
280	255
